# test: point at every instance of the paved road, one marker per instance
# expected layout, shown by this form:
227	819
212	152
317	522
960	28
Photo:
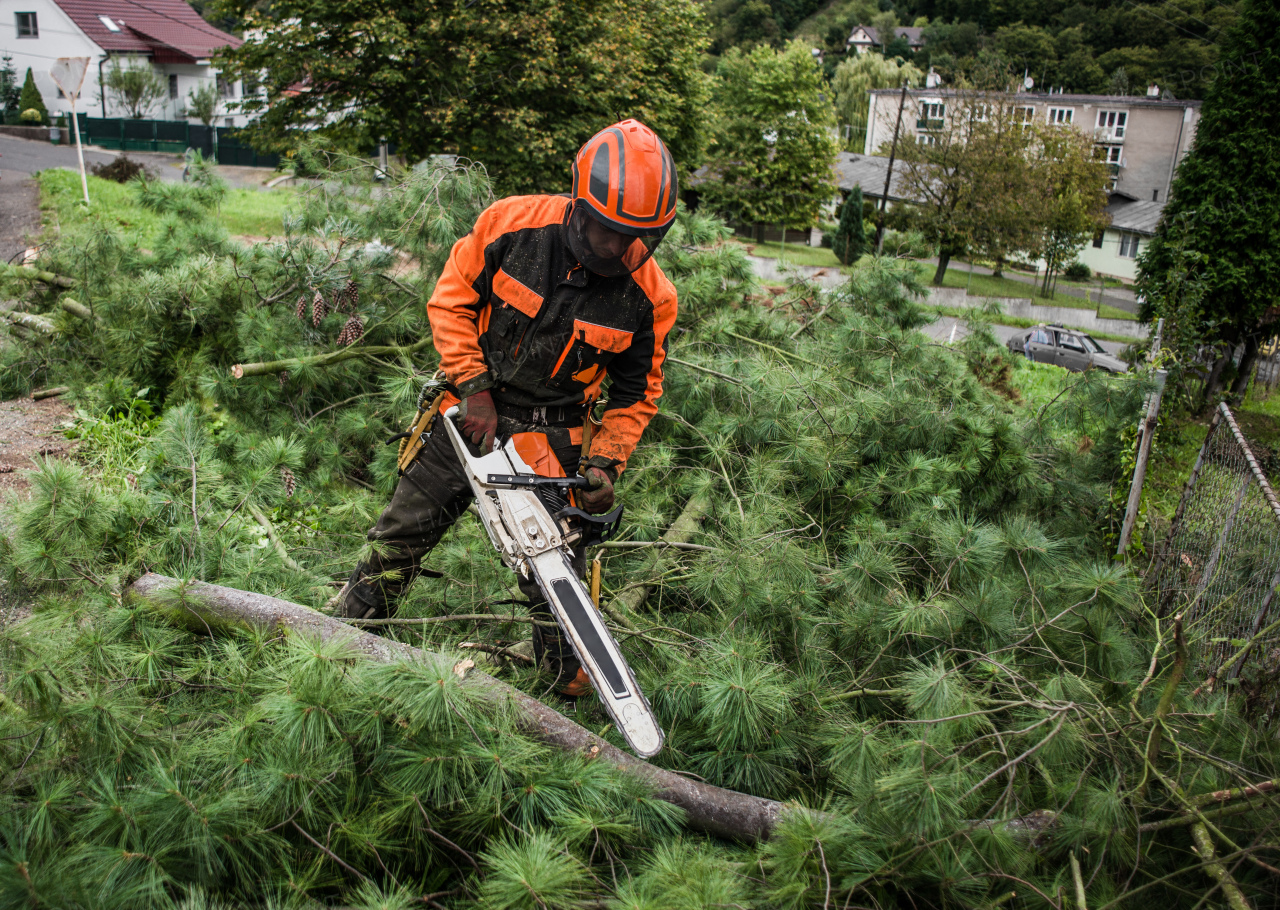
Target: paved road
28	156
941	331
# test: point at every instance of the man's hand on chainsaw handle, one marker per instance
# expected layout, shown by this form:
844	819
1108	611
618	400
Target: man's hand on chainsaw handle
599	498
480	420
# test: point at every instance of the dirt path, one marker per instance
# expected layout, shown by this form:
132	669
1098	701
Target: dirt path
29	430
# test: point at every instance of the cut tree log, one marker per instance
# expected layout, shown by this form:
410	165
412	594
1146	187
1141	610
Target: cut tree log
271	367
30	321
209	609
31	274
631	599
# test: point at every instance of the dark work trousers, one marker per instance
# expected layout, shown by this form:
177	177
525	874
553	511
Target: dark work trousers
431	495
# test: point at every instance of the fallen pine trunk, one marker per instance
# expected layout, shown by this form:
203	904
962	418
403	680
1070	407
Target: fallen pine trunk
33	274
206	608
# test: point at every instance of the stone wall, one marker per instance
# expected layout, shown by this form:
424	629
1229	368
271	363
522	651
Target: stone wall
1022	308
39	133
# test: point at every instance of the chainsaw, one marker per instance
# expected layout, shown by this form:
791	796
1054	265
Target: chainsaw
533	527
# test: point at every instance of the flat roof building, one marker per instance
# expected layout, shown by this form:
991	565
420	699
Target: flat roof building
1143	138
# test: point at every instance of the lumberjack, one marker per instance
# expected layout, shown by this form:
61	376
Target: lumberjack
545	299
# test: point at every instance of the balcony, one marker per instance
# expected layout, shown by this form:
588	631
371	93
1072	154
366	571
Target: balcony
929	124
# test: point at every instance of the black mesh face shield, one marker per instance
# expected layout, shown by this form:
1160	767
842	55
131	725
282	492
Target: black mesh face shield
608	249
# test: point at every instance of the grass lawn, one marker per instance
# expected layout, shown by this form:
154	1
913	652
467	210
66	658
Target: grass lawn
990	286
250	212
795	253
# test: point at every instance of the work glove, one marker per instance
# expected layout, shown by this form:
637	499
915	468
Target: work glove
480	420
599	498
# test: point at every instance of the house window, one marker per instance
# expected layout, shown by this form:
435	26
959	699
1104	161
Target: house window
1097	240
931	114
109	23
26	23
1112	124
229	122
926	139
1155	195
173	86
1109	153
1128	246
226	89
1024	116
1060	116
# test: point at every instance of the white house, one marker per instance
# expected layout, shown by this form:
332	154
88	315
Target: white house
1114	252
165	34
866	37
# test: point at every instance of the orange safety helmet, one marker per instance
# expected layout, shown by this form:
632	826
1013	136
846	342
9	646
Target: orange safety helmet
624	181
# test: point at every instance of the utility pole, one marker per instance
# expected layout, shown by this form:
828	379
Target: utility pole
888	177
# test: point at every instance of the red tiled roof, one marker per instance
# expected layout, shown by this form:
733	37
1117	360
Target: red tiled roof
148	26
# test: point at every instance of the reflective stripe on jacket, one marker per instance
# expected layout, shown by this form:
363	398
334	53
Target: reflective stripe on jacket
514	312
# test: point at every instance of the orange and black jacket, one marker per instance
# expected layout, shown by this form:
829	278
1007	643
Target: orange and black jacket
514	312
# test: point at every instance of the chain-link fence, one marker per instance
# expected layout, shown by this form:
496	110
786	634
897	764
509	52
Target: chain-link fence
1220	564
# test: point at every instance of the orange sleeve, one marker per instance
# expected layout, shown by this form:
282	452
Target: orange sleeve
455	306
636	374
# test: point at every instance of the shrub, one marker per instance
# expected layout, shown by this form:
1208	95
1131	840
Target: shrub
1077	271
122	170
30	100
31	115
850	241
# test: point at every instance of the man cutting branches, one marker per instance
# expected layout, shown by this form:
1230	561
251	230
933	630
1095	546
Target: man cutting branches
544	299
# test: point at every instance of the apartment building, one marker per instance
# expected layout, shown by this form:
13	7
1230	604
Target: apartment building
1142	138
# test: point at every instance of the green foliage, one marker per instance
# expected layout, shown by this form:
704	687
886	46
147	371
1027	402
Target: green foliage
773	155
905	614
1205	271
30	100
136	87
850	241
854	78
203	102
518	90
10	90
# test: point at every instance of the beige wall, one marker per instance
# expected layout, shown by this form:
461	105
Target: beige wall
1108	260
1156	137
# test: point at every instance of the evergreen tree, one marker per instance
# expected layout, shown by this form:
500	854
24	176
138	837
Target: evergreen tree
898	605
1223	215
30	98
850	241
10	90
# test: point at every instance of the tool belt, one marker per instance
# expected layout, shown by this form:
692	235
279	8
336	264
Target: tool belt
567	416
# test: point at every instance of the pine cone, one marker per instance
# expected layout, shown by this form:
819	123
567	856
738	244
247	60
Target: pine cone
350	297
301	308
319	309
283	377
352	332
290	482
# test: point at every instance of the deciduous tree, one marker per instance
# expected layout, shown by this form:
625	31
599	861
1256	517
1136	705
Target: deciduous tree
854	78
774	149
517	89
1072	181
135	87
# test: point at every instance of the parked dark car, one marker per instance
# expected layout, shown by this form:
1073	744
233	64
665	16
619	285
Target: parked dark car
1067	348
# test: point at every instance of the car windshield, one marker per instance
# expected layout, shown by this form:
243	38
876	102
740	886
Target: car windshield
1092	346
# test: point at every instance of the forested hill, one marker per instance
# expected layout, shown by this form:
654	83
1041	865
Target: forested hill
1079	45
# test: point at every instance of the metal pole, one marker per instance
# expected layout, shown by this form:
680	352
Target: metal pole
888	176
75	128
1140	468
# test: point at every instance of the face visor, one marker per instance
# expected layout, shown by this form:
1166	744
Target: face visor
607	248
